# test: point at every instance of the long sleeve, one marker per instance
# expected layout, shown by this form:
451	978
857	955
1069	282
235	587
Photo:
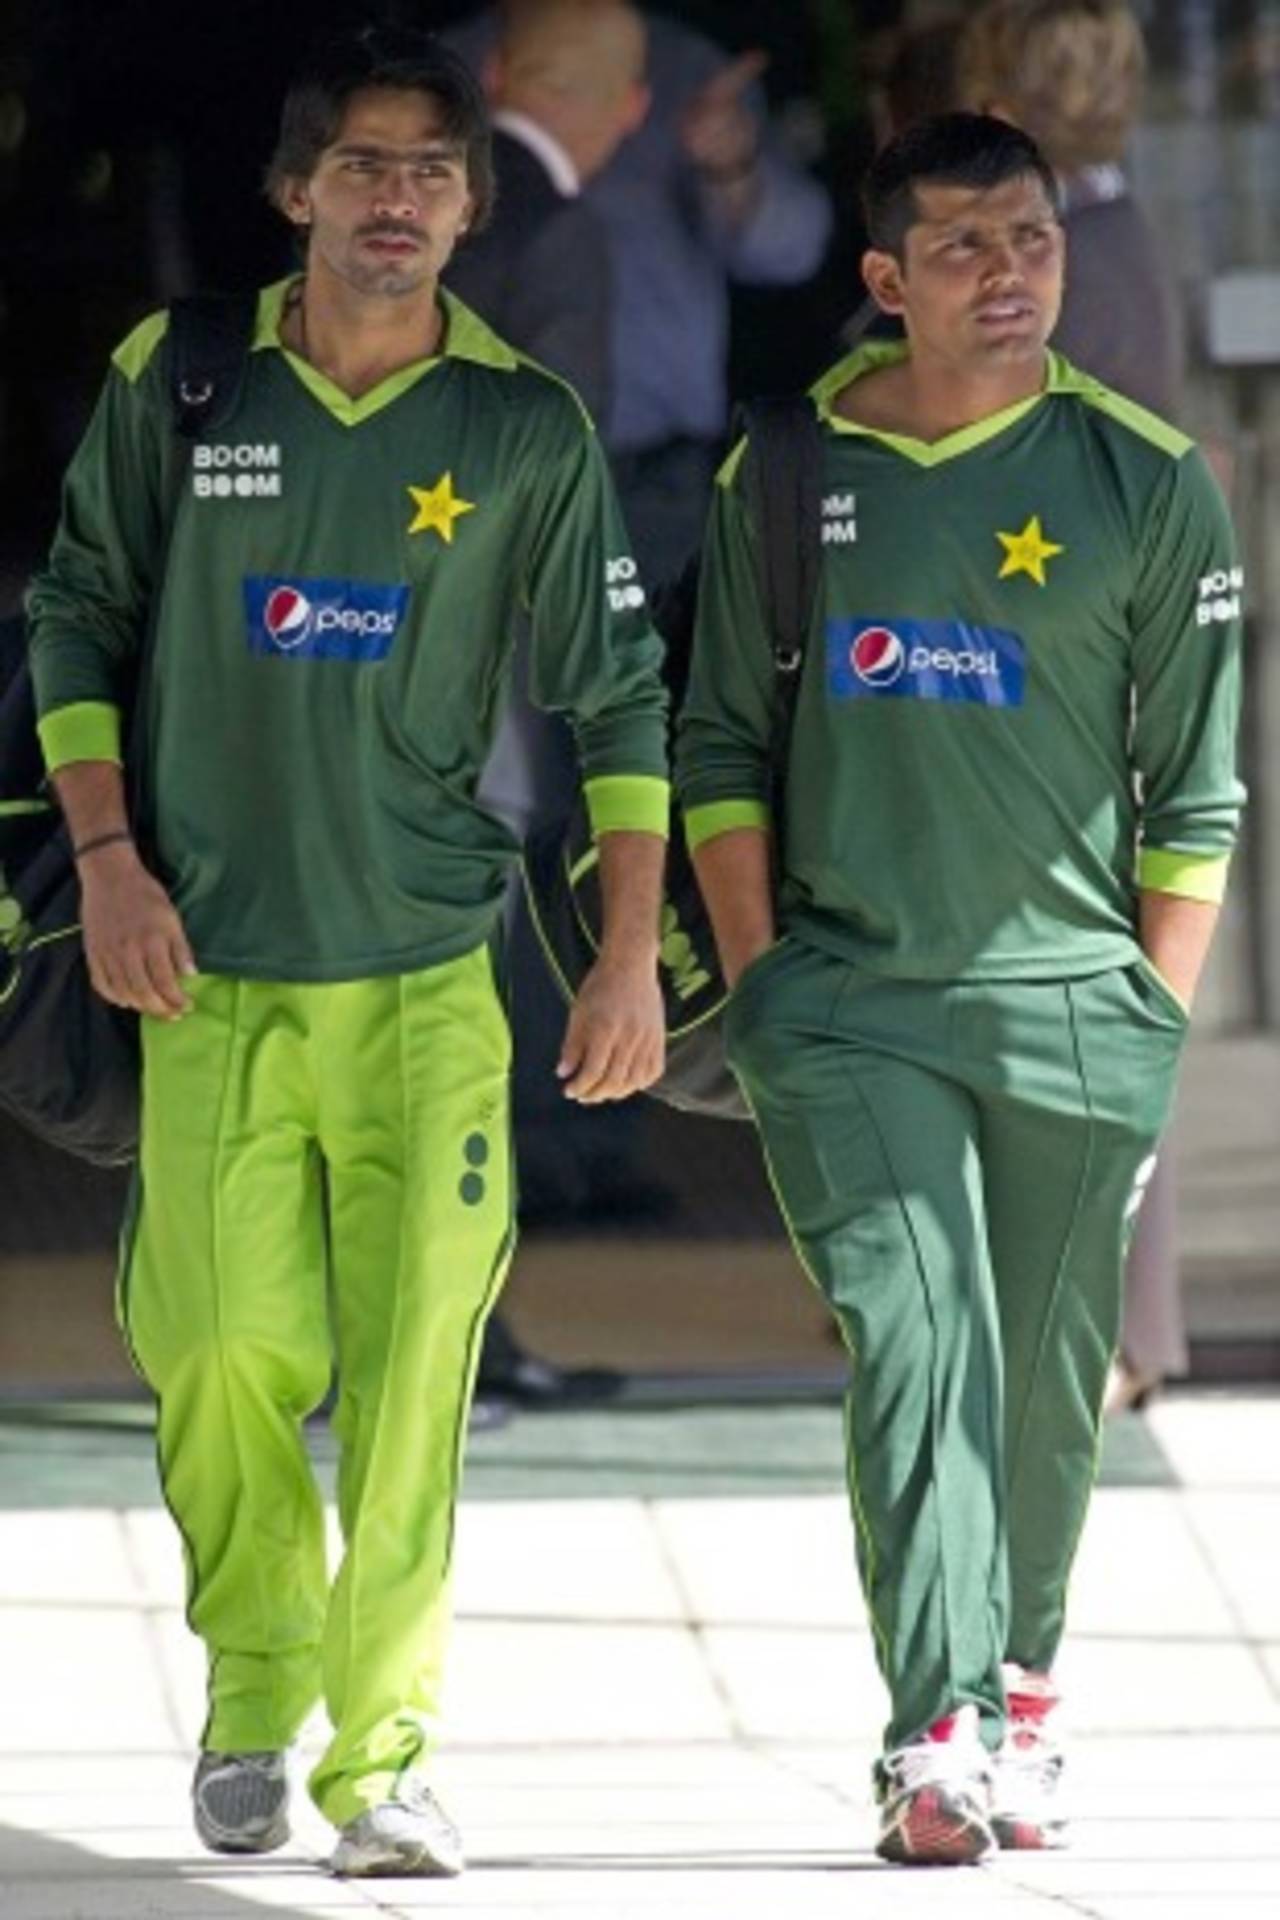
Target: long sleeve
725	730
594	654
90	605
1186	674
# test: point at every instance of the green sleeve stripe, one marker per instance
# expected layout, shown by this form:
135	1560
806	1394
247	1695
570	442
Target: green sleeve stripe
85	730
133	356
722	816
1194	876
628	803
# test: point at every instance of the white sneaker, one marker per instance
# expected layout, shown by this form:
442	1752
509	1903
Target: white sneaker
1026	1812
408	1834
935	1796
241	1801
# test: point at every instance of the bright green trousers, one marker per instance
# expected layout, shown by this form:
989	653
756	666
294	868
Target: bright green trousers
324	1176
958	1166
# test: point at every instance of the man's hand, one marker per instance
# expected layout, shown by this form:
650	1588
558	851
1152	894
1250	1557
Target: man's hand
615	1042
718	129
134	941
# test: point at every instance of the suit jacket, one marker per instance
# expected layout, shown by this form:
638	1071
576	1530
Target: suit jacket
539	273
1120	318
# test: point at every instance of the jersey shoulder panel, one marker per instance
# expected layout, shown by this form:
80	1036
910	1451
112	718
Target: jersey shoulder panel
568	392
138	349
1135	420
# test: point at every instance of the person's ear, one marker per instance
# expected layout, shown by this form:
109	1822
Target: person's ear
294	202
882	277
639	101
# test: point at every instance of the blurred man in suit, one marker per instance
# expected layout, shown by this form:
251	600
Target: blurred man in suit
702	193
566	84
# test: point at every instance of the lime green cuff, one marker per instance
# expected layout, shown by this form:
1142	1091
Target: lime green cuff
722	816
628	803
1195	876
86	730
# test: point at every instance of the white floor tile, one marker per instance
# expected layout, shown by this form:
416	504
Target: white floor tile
566	1560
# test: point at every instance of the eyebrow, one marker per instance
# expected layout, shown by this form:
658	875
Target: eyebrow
373	150
963	222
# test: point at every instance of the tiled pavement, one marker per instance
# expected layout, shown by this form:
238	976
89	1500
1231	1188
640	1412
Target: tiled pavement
663	1699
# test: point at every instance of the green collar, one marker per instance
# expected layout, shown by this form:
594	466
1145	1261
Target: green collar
466	337
1060	377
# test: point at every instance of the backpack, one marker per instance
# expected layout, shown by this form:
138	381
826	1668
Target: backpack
783	475
69	1067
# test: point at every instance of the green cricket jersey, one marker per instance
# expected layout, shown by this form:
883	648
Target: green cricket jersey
330	621
1019	700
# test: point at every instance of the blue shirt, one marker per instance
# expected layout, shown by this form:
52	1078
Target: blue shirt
674	254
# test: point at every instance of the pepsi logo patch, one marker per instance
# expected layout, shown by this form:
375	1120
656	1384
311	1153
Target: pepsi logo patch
877	656
287	617
311	619
869	656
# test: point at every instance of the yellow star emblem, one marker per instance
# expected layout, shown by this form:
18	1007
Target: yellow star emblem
1026	552
436	508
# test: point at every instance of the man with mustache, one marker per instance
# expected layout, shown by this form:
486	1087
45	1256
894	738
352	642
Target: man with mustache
310	930
1002	836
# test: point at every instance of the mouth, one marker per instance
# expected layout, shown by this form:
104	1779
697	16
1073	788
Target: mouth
1011	311
392	246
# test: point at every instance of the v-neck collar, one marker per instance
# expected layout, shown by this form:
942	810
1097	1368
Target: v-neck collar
925	453
465	337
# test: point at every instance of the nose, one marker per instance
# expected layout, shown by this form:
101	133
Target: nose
397	195
1001	262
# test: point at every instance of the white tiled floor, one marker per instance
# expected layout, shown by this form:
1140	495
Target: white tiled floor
668	1707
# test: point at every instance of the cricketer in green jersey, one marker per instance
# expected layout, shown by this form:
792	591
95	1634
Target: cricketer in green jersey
324	1163
1005	822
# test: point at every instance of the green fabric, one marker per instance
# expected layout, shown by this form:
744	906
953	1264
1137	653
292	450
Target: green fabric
621	802
313	813
1060	378
86	730
324	1171
466	338
1182	873
942	838
723	816
925	453
957	1166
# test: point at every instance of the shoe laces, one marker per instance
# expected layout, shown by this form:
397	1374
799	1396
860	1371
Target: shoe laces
413	1793
1030	1748
950	1755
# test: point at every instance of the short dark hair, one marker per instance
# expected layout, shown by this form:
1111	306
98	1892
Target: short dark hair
344	64
950	150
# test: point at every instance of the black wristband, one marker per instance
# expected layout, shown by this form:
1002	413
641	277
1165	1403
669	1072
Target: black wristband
100	840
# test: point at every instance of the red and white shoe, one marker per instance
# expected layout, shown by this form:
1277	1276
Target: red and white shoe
1026	1810
935	1797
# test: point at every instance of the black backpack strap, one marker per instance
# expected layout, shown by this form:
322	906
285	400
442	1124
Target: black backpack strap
208	343
784	485
210	335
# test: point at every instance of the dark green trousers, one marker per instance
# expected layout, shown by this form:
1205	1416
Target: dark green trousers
958	1166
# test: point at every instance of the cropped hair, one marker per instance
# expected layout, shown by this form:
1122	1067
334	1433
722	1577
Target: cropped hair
951	150
1070	71
391	57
